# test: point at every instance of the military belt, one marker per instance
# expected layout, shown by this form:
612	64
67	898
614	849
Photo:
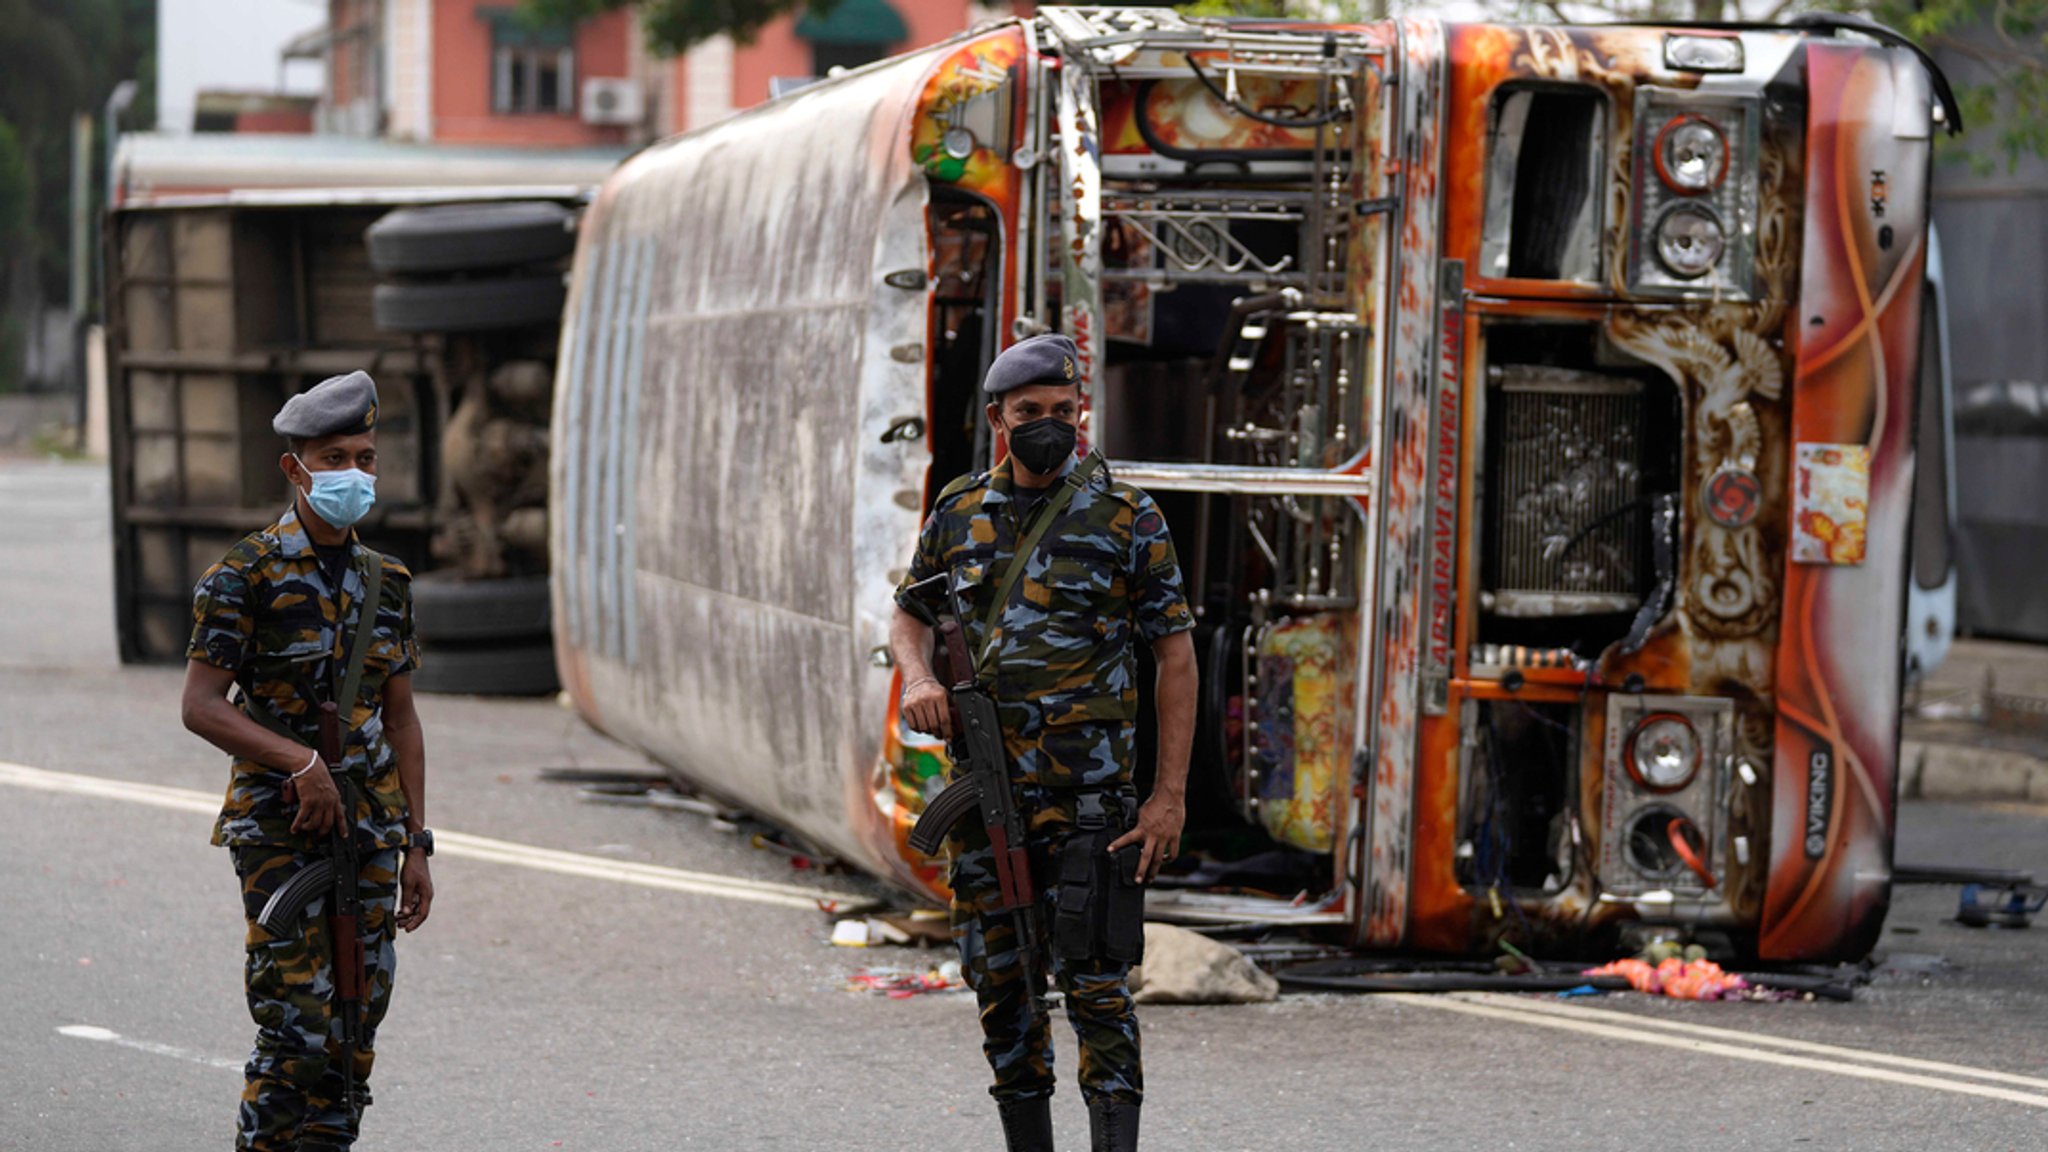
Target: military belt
1096	808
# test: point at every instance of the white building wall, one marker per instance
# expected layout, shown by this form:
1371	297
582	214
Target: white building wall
707	76
408	67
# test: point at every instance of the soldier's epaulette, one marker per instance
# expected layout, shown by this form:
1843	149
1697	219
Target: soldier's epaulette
960	485
252	550
1129	494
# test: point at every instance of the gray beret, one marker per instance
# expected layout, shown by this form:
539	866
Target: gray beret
1048	359
334	406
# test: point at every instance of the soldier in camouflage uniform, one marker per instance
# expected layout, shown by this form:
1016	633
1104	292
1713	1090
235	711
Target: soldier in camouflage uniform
276	617
1064	677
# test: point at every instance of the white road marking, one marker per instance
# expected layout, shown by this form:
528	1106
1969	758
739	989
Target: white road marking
1567	1023
1936	1067
459	844
109	1036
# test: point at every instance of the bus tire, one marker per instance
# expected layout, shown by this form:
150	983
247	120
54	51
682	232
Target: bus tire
480	611
469	305
469	237
522	669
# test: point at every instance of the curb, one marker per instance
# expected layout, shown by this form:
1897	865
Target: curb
1938	771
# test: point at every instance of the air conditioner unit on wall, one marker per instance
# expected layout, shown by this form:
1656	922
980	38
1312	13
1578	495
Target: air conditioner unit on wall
613	100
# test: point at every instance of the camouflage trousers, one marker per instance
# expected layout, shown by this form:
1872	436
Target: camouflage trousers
1017	1042
294	1081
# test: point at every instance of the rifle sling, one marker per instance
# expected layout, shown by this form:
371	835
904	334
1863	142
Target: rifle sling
366	630
1076	479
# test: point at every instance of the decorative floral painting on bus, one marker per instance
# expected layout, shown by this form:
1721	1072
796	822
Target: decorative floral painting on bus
963	130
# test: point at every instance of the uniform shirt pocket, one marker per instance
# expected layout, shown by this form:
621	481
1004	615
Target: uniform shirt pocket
1080	581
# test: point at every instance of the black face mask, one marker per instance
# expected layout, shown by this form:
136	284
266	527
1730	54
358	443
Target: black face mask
1043	444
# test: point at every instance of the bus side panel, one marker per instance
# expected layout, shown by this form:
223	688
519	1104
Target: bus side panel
887	511
710	448
1402	492
1835	777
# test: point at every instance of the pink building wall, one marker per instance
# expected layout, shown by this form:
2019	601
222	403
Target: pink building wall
462	81
460	70
775	52
779	51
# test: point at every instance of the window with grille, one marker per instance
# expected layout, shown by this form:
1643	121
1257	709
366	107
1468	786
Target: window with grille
533	66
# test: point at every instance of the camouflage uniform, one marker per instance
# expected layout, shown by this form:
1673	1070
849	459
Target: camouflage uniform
266	612
1065	684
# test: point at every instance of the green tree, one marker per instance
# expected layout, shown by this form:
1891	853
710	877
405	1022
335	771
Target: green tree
16	239
58	58
1997	51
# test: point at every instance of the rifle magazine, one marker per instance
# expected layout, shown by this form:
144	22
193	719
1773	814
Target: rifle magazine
948	808
288	903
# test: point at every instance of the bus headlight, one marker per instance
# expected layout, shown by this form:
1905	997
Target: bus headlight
1663	752
1692	223
1690	241
1691	155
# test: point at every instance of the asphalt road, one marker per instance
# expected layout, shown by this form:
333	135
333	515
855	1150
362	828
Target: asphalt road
690	1002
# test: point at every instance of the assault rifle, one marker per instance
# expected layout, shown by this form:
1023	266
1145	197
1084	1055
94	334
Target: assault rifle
981	781
334	876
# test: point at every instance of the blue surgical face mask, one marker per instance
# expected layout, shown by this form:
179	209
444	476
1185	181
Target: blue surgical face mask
343	496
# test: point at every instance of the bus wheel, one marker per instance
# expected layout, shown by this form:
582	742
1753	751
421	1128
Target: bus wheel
477	611
467	237
469	305
523	669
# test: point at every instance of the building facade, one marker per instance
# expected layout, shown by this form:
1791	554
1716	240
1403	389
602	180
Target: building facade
478	72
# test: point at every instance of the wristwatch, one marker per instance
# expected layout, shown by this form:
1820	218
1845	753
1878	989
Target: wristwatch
422	840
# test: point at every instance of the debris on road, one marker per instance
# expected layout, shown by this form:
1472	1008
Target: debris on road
903	983
867	932
1183	967
639	788
2007	906
1345	976
1700	979
1936	874
924	927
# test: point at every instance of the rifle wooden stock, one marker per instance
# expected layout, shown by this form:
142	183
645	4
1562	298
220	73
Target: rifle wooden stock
949	657
344	915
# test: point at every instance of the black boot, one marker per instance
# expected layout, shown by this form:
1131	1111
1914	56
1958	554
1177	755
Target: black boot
1113	1126
1027	1124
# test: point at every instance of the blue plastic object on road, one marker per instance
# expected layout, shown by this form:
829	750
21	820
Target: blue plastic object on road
2013	906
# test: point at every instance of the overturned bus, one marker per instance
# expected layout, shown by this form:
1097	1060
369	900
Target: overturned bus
1533	409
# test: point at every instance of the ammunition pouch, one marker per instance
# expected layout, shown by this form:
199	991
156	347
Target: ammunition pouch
1098	903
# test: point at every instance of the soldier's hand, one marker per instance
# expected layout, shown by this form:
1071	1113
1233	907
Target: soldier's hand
415	891
1159	823
927	708
319	802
